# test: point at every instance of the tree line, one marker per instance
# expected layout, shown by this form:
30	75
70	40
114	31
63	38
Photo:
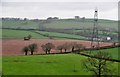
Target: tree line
63	48
49	46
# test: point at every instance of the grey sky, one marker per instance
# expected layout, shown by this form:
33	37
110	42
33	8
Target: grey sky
59	0
42	10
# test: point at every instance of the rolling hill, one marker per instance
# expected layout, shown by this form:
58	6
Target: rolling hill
80	29
58	24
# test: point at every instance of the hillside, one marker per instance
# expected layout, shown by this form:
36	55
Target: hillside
76	28
58	24
79	24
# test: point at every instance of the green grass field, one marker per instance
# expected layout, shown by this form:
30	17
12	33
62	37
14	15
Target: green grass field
58	64
20	34
61	35
114	52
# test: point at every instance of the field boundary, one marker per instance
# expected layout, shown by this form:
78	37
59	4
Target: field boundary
113	60
84	54
58	36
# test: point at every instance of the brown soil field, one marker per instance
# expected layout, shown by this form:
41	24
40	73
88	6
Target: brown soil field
13	47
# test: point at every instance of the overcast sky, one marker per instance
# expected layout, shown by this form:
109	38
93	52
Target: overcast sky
107	9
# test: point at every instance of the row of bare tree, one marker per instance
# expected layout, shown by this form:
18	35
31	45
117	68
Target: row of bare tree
49	46
30	48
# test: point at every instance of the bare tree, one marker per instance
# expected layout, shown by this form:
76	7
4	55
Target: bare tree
25	50
47	47
113	44
79	47
60	47
44	48
73	45
33	48
66	46
76	46
99	66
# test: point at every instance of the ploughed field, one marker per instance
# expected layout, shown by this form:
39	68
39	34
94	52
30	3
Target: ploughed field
13	47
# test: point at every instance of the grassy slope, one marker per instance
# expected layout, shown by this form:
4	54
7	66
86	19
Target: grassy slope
20	34
100	32
61	34
61	24
112	51
19	24
60	64
86	24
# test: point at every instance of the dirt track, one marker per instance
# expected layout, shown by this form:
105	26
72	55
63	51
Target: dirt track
14	47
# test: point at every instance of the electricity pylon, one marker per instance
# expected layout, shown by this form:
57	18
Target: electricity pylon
95	37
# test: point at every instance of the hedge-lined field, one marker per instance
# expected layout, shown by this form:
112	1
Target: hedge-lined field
20	34
114	52
7	33
61	35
